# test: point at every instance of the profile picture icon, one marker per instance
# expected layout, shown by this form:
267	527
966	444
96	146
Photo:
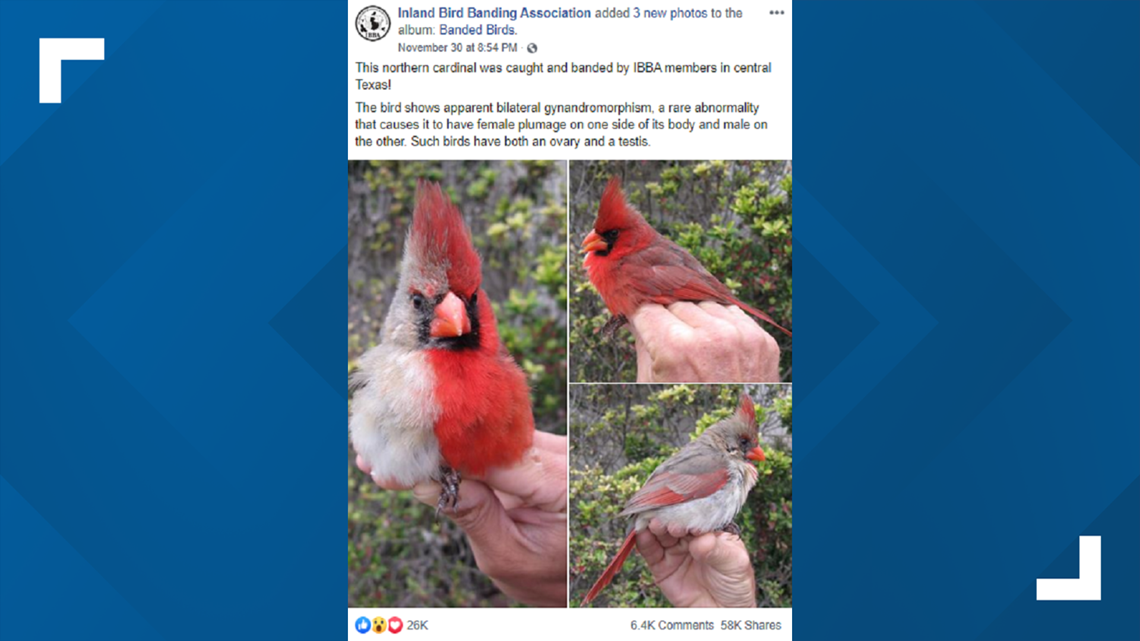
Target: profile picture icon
372	23
379	625
363	625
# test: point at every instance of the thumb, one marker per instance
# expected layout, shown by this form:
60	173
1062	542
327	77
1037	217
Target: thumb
539	479
478	512
722	552
731	581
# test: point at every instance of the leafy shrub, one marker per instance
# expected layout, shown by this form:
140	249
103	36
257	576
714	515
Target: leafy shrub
399	552
735	217
621	433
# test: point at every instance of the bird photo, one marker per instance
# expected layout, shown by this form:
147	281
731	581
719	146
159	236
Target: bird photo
709	242
682	495
630	264
456	355
439	396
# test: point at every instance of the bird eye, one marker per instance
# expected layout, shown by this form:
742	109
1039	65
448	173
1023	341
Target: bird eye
475	297
743	443
417	301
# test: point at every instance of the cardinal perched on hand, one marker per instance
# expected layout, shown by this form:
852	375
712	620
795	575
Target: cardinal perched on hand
699	489
439	397
630	264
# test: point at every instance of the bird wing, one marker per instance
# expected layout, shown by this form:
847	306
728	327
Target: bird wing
686	476
666	273
670	274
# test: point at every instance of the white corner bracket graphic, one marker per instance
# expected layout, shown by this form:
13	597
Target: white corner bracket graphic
53	51
1085	587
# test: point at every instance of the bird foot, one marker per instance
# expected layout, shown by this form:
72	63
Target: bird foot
732	529
449	489
612	326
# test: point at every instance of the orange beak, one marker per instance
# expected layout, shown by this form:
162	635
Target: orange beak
450	318
593	242
755	454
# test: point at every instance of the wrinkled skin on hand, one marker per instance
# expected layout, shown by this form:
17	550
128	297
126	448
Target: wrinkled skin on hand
515	520
702	342
703	570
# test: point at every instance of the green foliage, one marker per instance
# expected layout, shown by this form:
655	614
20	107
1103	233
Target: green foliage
399	552
621	433
735	217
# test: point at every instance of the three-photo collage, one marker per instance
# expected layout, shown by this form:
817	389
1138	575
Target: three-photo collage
570	384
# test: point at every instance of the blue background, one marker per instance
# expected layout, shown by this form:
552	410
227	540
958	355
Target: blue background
967	288
171	288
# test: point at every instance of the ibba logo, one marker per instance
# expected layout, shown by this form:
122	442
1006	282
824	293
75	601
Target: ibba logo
379	625
372	23
363	625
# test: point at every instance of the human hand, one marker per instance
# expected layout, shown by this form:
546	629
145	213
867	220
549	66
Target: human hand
710	570
702	342
515	520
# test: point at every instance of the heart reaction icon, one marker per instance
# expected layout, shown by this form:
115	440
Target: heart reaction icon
395	625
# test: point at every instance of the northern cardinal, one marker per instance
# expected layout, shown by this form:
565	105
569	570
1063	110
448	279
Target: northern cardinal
630	264
440	397
700	488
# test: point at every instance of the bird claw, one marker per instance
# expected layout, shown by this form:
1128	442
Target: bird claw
612	326
449	489
732	529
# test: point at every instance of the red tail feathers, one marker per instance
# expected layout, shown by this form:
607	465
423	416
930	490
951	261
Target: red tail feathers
761	315
612	568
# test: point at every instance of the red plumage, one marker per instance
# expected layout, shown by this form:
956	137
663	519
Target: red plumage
440	237
747	409
641	266
612	568
485	416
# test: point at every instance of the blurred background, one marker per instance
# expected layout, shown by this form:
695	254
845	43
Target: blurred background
399	552
735	217
621	433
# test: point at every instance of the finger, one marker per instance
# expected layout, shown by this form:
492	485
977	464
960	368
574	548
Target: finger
761	354
650	314
701	547
649	547
386	484
659	530
662	342
363	466
721	551
737	314
553	443
478	512
533	516
539	479
389	484
378	479
722	312
692	315
651	324
676	531
644	362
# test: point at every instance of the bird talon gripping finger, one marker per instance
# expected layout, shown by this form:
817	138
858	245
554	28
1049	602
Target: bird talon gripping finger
439	397
731	528
697	489
615	322
449	489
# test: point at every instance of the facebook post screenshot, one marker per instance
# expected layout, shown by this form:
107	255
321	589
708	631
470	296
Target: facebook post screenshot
570	318
571	378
